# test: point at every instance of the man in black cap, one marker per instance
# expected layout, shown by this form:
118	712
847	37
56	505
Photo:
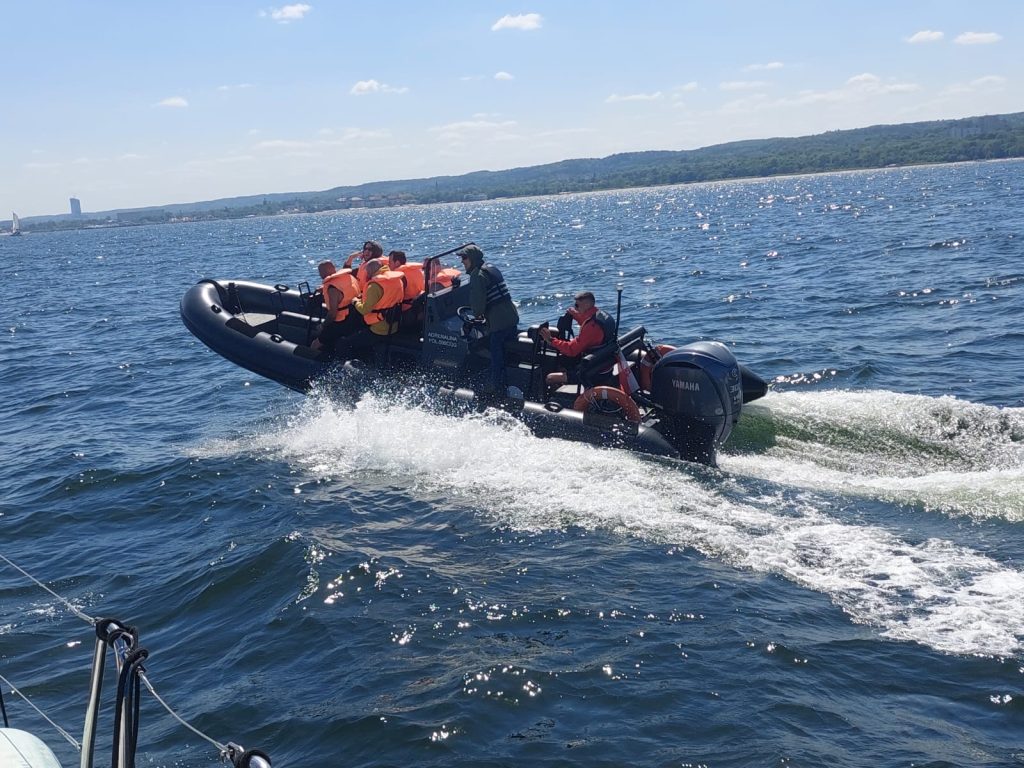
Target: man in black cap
490	300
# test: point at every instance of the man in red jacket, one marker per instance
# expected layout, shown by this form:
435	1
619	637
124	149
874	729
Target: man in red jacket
597	328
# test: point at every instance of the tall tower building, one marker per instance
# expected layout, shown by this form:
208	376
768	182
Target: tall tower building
76	206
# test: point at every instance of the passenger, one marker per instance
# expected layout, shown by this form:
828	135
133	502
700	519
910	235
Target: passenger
339	291
371	250
597	328
367	269
316	299
490	300
442	277
413	277
384	291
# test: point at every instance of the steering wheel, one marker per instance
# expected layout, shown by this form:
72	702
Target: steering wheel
466	315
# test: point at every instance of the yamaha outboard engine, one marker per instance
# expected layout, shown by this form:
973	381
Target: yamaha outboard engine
699	393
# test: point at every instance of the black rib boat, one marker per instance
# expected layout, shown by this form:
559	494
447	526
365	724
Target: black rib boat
689	399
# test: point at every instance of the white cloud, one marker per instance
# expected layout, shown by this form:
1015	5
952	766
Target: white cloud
240	86
328	137
523	21
288	13
566	132
925	36
742	85
283	144
173	101
363	87
503	76
357	134
686	87
989	83
978	38
865	78
614	98
476	130
764	67
127	156
869	83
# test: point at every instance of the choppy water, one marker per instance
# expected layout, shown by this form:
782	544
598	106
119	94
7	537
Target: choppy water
386	586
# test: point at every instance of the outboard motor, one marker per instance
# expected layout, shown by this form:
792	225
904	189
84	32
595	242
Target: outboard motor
699	393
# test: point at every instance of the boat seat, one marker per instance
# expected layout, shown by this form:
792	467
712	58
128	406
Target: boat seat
521	347
604	356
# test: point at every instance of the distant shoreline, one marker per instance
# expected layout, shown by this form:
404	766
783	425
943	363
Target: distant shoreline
878	148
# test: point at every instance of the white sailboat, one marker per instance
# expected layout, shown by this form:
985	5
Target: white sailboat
15	224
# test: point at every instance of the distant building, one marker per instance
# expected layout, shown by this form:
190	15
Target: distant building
76	206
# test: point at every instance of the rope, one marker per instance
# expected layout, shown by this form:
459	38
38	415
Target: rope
80	614
220	747
60	730
133	667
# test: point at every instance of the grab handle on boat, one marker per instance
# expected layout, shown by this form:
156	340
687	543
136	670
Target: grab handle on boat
618	308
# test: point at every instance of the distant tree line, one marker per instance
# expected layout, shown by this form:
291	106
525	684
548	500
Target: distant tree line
943	141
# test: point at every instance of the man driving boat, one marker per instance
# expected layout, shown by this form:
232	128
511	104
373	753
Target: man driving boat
597	328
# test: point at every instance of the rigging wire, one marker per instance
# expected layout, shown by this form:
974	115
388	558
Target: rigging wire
80	614
220	747
230	751
71	739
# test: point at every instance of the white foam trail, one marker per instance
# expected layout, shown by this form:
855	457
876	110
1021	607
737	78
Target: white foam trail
936	593
941	453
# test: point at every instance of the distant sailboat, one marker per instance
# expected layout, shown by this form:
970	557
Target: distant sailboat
15	224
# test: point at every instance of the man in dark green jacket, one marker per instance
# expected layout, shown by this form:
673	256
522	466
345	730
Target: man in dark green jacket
491	302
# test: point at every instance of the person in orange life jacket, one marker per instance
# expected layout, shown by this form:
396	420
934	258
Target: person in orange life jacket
596	329
339	291
384	291
442	277
371	250
316	299
413	276
490	300
368	269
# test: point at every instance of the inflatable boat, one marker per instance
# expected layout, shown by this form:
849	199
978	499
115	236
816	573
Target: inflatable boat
680	402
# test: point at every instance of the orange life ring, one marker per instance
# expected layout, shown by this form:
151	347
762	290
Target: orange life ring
596	394
646	367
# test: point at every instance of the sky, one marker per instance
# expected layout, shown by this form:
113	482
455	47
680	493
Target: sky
131	104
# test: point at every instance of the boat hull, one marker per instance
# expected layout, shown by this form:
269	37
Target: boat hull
268	330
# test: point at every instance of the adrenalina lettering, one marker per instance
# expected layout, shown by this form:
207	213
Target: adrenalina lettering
443	339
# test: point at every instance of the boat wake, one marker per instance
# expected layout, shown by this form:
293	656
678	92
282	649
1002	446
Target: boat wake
936	592
941	454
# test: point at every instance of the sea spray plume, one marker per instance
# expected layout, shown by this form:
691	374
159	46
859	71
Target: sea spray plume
936	592
941	453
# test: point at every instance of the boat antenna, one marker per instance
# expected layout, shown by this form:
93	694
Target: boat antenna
618	308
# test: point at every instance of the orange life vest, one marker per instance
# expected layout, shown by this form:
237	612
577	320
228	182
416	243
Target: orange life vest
413	281
343	282
393	285
443	278
361	277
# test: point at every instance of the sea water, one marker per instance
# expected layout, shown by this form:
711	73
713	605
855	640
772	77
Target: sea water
378	584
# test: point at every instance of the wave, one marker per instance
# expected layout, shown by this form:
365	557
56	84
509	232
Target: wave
936	592
939	453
